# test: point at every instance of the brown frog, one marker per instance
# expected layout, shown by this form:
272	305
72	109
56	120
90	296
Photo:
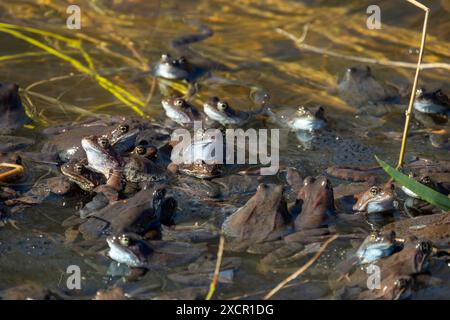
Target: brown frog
135	252
140	214
376	199
78	173
317	203
435	228
411	260
359	88
12	111
264	217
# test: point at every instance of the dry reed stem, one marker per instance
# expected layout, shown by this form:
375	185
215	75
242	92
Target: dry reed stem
213	286
301	269
416	80
400	64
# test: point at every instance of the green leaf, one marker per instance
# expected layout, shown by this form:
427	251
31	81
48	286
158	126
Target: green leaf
424	192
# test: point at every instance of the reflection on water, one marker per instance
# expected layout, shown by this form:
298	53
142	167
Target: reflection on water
121	40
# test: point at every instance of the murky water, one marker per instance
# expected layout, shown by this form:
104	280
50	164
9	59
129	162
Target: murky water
122	39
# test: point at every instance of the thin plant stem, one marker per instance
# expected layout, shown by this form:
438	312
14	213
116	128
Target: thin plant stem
301	269
213	286
416	79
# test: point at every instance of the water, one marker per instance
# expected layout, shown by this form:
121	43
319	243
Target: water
124	38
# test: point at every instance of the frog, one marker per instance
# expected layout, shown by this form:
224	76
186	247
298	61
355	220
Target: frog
359	88
220	111
13	113
198	159
101	157
135	252
431	102
376	199
317	203
139	168
64	140
435	228
181	68
303	119
42	190
264	217
377	245
413	259
78	173
414	205
177	68
182	112
394	287
141	214
440	140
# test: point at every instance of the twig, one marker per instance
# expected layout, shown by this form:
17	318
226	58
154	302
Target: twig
213	286
416	79
16	168
401	64
301	269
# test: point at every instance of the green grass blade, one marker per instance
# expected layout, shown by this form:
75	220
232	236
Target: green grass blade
424	192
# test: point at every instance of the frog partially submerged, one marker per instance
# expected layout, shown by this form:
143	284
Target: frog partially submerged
432	108
434	228
100	155
181	111
13	113
434	102
78	173
65	140
359	88
220	111
179	68
315	202
135	252
411	260
264	217
139	214
198	159
303	119
376	246
376	199
414	205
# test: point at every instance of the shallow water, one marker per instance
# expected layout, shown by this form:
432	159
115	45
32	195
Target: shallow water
124	38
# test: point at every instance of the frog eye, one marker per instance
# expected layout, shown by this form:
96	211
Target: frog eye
262	186
141	150
301	110
222	105
124	128
375	190
426	180
425	247
419	92
182	60
439	93
103	142
124	240
179	102
165	57
79	167
159	193
401	283
352	70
